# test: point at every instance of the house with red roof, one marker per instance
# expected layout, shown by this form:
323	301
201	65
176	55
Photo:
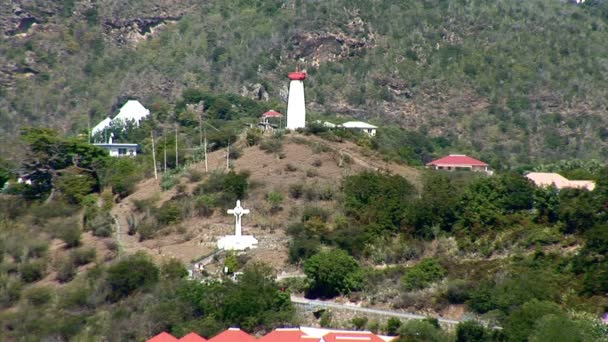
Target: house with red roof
459	162
283	335
233	335
302	334
192	337
363	336
163	337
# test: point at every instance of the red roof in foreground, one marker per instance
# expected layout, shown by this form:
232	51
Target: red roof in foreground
272	114
352	337
233	335
192	337
457	159
283	335
163	337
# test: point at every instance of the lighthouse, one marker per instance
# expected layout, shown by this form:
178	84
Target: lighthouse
296	109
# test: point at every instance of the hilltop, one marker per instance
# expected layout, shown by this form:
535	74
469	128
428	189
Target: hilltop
312	163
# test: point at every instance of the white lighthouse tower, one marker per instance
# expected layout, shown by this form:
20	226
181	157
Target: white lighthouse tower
296	109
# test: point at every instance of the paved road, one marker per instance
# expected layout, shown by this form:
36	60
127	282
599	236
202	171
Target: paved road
398	314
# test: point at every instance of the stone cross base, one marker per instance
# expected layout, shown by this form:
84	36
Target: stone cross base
237	243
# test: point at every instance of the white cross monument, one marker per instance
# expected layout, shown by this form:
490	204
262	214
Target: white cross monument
238	241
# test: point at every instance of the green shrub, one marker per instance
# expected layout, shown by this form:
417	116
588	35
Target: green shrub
39	295
32	271
147	229
333	272
271	145
253	137
290	167
83	255
169	213
168	182
66	270
458	291
471	331
274	199
310	213
10	291
205	204
421	331
173	269
326	319
296	190
130	274
194	175
75	185
359	323
70	234
392	326
426	272
311	173
100	224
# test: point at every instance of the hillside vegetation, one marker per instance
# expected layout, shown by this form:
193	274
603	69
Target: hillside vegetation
515	82
496	249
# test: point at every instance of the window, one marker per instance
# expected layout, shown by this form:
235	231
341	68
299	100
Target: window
131	152
122	151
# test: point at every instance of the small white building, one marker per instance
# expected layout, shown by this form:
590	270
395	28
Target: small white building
361	126
120	150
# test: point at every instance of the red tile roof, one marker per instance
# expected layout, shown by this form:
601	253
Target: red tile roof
192	337
233	335
365	336
163	337
272	114
283	335
456	160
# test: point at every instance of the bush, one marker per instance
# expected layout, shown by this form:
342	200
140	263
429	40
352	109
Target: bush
254	136
70	234
32	271
392	326
458	291
75	185
317	163
100	224
290	167
170	212
302	248
333	272
173	269
83	255
194	175
326	319
296	190
39	295
422	331
205	204
471	331
130	274
66	270
10	291
274	199
310	213
271	145
311	173
426	272
359	323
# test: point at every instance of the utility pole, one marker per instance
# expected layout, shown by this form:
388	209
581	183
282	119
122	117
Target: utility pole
154	155
165	149
228	155
176	150
205	148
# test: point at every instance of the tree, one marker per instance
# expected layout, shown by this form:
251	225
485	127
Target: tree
426	272
332	272
471	331
559	327
130	274
521	322
421	331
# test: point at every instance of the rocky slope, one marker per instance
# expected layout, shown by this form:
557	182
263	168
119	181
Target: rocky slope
511	83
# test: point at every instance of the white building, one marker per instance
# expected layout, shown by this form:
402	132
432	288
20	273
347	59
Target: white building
546	179
361	126
120	150
132	110
105	123
296	107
